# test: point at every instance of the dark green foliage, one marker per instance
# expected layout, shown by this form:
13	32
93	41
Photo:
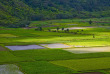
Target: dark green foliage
39	29
13	11
93	35
62	28
67	30
82	30
58	28
24	23
90	22
49	30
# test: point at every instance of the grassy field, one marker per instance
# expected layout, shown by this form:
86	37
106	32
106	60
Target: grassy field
85	64
30	36
43	67
7	57
55	54
58	61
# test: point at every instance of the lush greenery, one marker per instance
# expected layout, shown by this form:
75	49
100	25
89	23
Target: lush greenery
74	37
71	22
7	57
43	67
58	61
19	13
85	64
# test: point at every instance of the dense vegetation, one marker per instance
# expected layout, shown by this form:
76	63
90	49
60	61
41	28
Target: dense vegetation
18	13
85	53
55	61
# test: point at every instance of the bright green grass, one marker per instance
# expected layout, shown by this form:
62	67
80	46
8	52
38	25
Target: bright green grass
90	44
85	64
102	37
43	67
7	35
45	54
7	57
55	54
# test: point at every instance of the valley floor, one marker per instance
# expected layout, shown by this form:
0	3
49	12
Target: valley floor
78	51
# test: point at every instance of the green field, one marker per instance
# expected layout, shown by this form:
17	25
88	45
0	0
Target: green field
85	64
58	61
43	67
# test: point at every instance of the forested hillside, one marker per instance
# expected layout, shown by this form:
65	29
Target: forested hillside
19	12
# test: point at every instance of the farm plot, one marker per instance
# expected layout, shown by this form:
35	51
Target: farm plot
57	45
43	67
88	43
9	69
55	54
44	55
7	57
89	50
85	64
25	47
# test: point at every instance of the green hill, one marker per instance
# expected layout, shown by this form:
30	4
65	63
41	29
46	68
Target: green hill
18	12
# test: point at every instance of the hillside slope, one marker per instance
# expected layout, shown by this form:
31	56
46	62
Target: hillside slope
14	11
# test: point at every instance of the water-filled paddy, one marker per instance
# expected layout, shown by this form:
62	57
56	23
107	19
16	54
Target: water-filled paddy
25	47
9	69
85	64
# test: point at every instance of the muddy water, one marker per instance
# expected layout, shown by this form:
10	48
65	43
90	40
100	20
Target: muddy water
9	69
89	50
25	47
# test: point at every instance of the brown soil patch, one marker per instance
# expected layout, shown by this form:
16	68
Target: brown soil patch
91	73
2	48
